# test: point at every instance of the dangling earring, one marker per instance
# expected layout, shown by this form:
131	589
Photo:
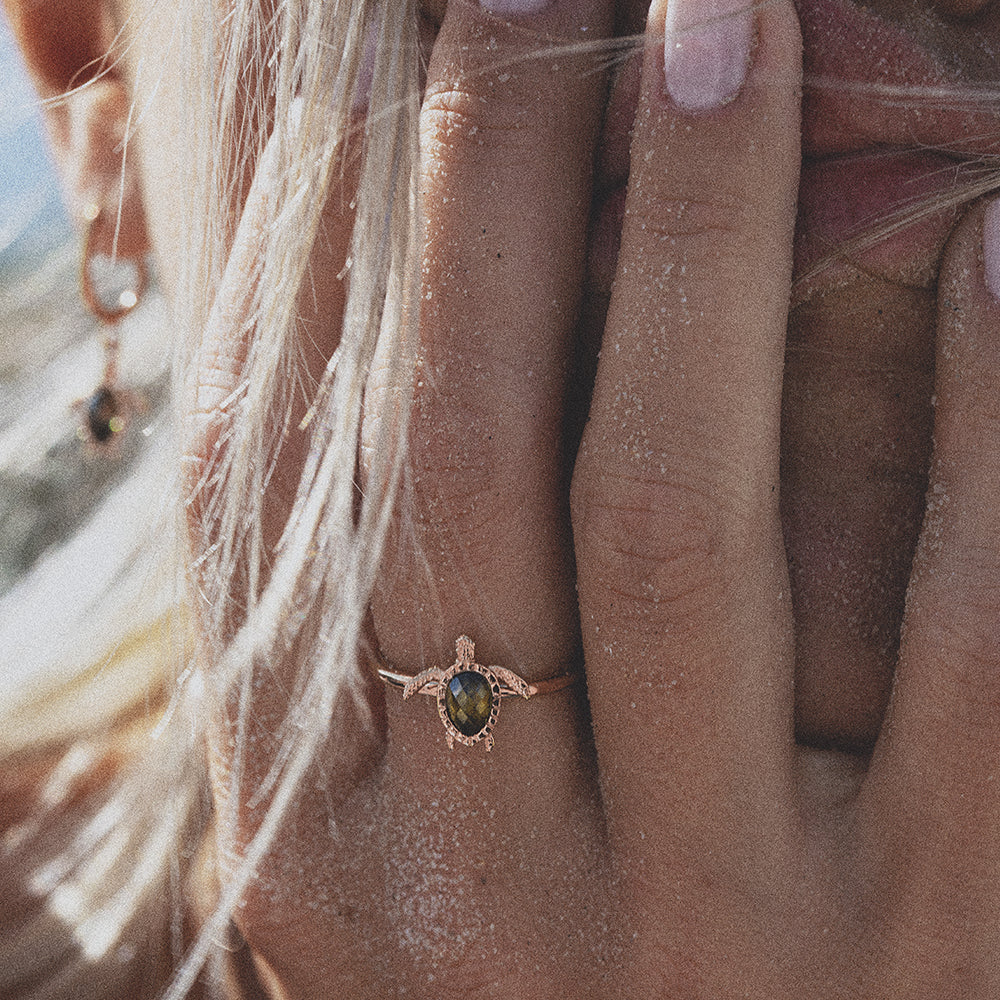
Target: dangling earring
106	412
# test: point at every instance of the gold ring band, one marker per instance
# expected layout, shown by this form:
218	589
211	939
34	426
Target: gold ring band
468	694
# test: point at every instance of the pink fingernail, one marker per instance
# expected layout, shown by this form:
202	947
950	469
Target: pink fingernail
515	7
991	247
706	51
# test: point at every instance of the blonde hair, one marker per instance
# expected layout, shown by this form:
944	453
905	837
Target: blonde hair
107	863
326	560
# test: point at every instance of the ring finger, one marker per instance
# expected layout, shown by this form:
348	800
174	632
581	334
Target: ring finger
481	544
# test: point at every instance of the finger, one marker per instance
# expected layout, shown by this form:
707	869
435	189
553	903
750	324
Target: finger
247	726
308	913
682	581
222	385
481	545
931	797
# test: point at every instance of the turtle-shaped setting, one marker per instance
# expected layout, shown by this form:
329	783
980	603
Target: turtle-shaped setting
468	694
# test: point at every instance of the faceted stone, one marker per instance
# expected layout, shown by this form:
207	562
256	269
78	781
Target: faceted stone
468	701
102	413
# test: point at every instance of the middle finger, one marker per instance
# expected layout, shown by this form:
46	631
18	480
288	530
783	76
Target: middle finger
683	588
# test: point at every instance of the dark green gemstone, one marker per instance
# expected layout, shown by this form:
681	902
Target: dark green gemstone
468	701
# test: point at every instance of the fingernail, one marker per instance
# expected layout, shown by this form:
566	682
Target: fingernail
706	51
991	247
515	7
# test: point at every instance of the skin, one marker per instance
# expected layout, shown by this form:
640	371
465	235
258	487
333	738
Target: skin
755	797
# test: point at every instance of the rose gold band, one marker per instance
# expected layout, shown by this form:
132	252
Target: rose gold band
395	679
469	694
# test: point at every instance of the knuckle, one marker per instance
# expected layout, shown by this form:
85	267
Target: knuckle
442	493
652	542
963	628
458	121
475	516
968	645
206	436
209	419
694	217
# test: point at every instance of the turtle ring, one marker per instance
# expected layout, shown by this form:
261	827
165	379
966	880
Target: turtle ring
468	694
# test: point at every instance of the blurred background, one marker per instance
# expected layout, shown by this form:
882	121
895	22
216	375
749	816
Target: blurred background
51	358
32	219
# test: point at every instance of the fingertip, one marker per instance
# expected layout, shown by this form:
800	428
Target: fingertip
712	50
969	283
706	52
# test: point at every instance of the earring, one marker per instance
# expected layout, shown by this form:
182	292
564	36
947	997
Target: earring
106	412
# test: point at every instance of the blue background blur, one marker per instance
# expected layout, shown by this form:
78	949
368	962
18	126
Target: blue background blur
32	218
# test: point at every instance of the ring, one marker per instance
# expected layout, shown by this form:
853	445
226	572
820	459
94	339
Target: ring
468	694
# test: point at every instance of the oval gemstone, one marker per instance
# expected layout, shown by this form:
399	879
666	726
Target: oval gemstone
102	411
468	701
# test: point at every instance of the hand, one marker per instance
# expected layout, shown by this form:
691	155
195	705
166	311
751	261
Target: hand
682	844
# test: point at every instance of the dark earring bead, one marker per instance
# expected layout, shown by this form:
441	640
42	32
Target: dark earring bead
103	420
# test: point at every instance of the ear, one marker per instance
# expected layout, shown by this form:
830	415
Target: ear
66	45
